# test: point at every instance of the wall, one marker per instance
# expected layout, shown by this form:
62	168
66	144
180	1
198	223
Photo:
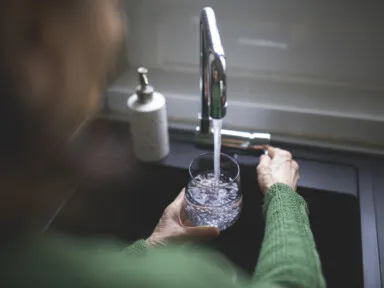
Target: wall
310	68
325	41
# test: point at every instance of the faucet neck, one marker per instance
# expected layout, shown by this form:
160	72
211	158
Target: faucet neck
212	71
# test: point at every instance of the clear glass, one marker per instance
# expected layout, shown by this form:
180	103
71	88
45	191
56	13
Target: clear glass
208	204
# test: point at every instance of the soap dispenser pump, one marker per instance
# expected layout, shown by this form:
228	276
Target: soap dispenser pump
148	121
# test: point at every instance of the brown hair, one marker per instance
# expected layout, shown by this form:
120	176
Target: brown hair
54	56
40	104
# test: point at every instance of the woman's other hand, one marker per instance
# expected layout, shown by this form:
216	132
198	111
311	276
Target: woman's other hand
277	167
174	226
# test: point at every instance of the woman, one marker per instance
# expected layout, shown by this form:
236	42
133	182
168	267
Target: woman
53	61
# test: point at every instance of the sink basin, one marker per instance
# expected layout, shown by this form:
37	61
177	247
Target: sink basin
124	199
130	209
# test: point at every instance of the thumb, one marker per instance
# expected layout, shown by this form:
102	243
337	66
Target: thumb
202	232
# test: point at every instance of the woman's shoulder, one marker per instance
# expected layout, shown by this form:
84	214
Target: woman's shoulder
49	259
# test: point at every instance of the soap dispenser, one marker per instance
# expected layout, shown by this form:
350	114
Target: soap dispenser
148	121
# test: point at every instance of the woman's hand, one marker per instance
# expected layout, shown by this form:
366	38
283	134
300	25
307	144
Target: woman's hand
174	226
277	167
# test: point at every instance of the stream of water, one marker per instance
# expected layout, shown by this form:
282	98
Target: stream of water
217	125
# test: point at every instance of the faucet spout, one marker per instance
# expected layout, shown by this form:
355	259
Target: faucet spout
213	82
213	88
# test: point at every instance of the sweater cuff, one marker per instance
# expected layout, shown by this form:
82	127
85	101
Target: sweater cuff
285	193
137	247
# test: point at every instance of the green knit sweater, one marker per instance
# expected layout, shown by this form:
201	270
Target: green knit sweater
288	258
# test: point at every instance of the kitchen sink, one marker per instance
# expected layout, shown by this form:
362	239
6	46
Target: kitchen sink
120	197
129	210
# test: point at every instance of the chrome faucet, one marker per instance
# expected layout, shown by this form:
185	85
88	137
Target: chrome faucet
212	71
213	86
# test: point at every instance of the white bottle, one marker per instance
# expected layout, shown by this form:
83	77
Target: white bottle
148	121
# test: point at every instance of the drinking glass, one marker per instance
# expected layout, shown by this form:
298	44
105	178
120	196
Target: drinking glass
212	203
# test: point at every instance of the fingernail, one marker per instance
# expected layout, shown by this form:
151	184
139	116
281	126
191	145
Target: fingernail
212	228
205	226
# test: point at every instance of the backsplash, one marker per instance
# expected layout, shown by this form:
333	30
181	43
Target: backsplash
302	69
326	42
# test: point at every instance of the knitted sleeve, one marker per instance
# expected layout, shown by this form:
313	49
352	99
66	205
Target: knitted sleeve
138	247
288	256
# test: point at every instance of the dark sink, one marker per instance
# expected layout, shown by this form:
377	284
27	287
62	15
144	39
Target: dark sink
130	210
122	198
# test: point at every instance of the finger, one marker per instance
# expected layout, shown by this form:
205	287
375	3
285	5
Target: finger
296	179
265	160
202	232
295	166
186	222
271	151
180	198
177	206
280	153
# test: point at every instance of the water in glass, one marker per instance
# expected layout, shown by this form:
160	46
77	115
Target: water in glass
209	204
